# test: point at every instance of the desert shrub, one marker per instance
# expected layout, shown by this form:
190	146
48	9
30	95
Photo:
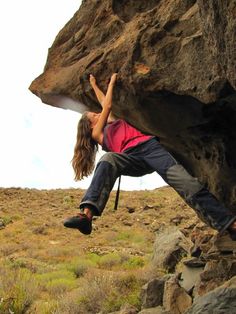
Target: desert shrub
6	220
59	286
69	304
79	266
46	307
127	290
68	201
18	290
96	287
134	262
93	257
8	249
109	260
57	282
130	235
105	292
43	230
33	265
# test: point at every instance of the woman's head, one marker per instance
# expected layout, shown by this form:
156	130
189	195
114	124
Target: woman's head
85	148
93	118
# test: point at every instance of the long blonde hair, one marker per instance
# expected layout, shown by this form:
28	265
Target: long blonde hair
85	149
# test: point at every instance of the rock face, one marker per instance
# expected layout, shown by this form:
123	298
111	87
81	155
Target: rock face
169	248
177	78
219	301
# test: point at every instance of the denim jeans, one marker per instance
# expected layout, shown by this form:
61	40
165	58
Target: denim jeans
146	158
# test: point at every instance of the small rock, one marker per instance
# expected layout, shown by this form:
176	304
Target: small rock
148	207
130	210
194	262
177	220
127	223
2	224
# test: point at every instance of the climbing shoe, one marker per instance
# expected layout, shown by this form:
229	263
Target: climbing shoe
80	222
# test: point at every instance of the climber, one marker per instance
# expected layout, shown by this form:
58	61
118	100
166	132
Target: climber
132	153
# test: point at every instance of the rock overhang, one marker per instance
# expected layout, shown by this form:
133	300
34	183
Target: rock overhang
176	76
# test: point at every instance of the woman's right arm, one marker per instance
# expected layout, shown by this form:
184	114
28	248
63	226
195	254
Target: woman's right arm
97	132
99	94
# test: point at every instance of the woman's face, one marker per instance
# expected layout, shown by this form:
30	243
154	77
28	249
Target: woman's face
93	118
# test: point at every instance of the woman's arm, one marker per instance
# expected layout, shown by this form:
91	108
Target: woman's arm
97	133
99	94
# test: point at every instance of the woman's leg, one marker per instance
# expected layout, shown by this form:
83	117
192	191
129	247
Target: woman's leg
207	207
108	169
110	166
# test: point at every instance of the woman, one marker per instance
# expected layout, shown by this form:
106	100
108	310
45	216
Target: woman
129	152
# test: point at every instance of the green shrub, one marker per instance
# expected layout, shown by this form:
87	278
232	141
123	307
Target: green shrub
109	260
134	262
57	282
68	200
133	237
80	266
6	220
59	286
47	307
18	290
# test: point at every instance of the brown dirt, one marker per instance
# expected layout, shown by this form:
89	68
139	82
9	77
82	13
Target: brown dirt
34	222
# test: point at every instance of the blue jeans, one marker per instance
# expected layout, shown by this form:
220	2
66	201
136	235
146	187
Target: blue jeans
146	158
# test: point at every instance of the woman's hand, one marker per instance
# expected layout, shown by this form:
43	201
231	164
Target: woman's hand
92	79
113	78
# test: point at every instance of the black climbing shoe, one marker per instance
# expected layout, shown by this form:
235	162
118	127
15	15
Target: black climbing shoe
80	222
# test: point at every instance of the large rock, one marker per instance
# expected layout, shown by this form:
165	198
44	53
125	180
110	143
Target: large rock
175	299
152	293
170	247
219	301
215	273
177	78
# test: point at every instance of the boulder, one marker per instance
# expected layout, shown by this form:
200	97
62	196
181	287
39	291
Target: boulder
215	273
175	300
152	293
170	247
219	301
176	76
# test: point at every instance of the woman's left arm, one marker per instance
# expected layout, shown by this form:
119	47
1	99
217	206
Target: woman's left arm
97	133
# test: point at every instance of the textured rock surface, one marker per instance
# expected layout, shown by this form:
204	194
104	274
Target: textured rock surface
152	293
175	299
170	247
177	78
219	301
215	273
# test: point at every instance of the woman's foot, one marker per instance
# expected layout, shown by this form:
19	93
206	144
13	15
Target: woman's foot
232	231
82	222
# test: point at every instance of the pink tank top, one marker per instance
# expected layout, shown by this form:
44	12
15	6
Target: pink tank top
119	136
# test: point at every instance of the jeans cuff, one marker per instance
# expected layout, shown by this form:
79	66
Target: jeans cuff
91	205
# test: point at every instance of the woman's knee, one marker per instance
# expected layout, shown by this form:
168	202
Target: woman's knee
109	157
185	184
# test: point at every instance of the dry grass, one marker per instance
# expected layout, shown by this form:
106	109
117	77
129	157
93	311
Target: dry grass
58	270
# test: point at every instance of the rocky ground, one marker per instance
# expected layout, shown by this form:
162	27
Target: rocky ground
46	268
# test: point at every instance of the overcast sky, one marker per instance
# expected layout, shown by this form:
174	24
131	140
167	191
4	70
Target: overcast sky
37	140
